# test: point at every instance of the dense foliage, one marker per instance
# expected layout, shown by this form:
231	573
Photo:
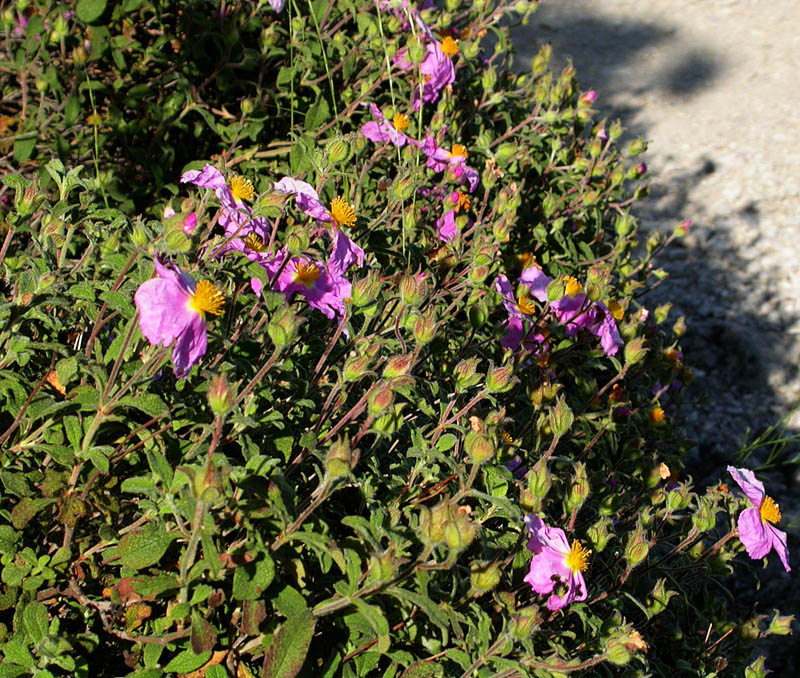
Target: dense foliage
439	333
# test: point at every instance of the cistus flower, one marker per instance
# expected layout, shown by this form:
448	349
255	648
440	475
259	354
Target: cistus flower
173	308
340	214
440	159
518	311
382	129
235	216
756	529
556	563
574	311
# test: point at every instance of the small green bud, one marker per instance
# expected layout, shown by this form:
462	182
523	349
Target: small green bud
659	598
465	373
705	517
525	622
598	534
539	480
338	151
282	328
398	365
432	522
382	568
637	548
479	447
366	290
424	327
380	398
500	379
561	417
478	314
247	106
542	60
339	459
757	669
355	367
177	241
679	328
579	489
206	484
637	146
617	653
412	290
624	224
459	532
635	351
484	576
221	395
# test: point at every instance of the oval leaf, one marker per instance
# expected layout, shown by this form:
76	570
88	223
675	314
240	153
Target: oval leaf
144	548
287	653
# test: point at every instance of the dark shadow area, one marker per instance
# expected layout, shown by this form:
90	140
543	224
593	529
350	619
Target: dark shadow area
736	340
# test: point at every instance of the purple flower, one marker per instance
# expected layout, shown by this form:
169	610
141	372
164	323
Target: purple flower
277	5
446	228
437	71
235	216
518	312
382	129
440	159
756	531
556	563
172	308
574	309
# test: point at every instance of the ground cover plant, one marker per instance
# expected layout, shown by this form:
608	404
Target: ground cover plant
326	351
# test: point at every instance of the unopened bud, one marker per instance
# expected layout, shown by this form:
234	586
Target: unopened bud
412	290
598	534
659	598
403	188
637	548
500	379
398	365
635	351
705	517
525	622
679	328
355	367
380	399
338	151
587	99
561	417
779	625
339	458
539	480
479	447
459	532
683	228
484	576
617	653
206	483
382	568
424	327
282	328
579	489
637	146
465	373
221	395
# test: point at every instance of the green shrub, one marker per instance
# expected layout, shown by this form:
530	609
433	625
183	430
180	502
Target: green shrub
338	485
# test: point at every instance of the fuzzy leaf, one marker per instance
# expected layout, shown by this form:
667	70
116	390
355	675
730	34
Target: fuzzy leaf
287	653
144	548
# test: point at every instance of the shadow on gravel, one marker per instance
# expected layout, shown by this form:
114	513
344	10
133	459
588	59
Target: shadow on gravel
733	352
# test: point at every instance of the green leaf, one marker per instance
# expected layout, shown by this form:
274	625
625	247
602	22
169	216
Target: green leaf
17	653
374	617
317	114
446	442
8	538
149	403
90	10
287	653
67	368
25	509
204	637
35	619
422	670
144	548
187	661
12	670
23	148
138	484
71	110
250	579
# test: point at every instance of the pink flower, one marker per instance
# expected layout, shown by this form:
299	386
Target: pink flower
556	563
518	313
382	129
440	159
173	308
756	531
446	228
277	5
436	68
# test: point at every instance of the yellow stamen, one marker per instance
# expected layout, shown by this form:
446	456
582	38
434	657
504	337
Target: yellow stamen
254	243
507	438
306	273
458	149
206	299
657	416
572	286
450	46
578	558
770	511
342	213
242	188
464	202
400	122
526	305
616	309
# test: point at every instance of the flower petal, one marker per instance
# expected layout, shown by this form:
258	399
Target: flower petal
753	534
190	347
545	571
753	488
163	310
544	536
779	544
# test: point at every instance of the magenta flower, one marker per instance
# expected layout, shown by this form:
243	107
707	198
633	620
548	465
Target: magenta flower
235	216
556	563
574	310
440	159
382	129
519	310
756	531
173	308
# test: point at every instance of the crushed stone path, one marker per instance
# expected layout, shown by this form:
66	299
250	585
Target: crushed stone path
714	86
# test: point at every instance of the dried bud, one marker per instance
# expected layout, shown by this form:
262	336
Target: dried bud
398	365
500	379
479	447
635	351
779	625
221	395
339	458
380	399
282	328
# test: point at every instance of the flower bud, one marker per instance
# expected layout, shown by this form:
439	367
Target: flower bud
459	532
683	228
757	669
705	517
398	365
579	489
338	151
282	328
424	327
484	576
412	290
635	351
189	223
525	622
539	480
339	458
479	447
380	398
637	146
637	548
624	224
355	367
221	395
206	483
465	373
598	534
403	188
478	314
561	417
500	379
659	598
780	626
139	235
382	568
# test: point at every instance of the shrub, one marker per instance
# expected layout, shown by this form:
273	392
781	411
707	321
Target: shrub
371	377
